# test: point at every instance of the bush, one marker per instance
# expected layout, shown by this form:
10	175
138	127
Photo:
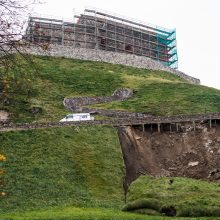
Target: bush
2	159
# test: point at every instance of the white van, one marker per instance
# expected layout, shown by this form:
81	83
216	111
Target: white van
77	117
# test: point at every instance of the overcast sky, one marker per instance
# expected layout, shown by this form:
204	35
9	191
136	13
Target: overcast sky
197	23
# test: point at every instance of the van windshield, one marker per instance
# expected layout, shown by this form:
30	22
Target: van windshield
69	116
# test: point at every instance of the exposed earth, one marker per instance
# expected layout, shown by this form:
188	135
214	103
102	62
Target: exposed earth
194	154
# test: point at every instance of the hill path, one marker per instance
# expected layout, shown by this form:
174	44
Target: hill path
158	120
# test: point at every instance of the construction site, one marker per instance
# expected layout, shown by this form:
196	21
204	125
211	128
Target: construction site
100	30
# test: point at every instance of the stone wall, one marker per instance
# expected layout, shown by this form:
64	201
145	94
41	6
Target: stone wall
115	113
209	119
109	57
75	103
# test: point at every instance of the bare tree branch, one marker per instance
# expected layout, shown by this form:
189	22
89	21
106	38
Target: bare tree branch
13	15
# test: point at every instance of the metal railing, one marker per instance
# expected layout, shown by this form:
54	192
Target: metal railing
125	18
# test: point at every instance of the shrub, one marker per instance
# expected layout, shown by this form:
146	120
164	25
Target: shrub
2	159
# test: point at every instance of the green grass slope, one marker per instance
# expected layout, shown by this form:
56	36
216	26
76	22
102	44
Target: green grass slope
156	92
190	198
62	167
73	213
77	173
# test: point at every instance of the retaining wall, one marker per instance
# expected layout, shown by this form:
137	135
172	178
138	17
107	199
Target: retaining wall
115	113
178	119
75	103
109	57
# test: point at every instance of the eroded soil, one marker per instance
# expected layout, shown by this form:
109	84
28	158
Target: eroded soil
194	154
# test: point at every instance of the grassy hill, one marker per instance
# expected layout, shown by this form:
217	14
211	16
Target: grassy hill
59	167
188	197
156	92
77	173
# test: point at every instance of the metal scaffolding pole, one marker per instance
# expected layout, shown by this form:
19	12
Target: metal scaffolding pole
100	30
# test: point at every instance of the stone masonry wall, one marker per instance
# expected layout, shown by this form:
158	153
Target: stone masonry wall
178	119
75	103
109	57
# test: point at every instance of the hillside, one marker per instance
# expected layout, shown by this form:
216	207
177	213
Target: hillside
181	197
79	172
62	167
156	92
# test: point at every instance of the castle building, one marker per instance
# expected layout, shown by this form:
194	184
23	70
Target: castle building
97	29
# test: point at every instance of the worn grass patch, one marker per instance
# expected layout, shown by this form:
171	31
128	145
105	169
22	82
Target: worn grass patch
184	197
159	98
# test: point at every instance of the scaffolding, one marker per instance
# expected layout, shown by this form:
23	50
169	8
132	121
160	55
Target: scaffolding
96	29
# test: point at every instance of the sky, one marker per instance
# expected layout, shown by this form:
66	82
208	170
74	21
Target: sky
197	24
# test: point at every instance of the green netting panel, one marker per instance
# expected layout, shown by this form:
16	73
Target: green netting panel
169	41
